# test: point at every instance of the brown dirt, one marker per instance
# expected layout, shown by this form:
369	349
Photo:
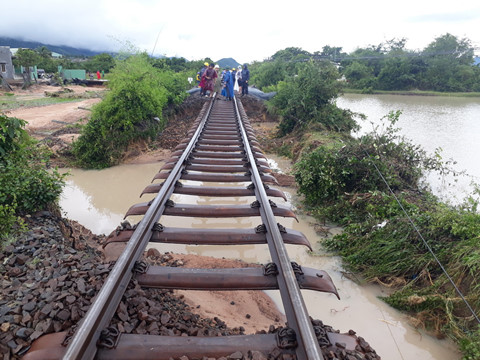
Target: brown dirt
46	119
253	310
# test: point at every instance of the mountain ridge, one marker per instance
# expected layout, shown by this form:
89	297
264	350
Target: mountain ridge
228	62
60	49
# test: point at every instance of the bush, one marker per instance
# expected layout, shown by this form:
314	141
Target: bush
132	110
309	97
26	185
326	175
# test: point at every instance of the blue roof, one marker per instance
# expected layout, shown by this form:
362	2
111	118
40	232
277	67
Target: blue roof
476	60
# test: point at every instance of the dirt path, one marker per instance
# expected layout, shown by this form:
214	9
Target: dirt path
44	120
53	117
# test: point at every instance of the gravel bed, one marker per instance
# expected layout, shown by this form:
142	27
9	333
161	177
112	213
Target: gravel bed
49	280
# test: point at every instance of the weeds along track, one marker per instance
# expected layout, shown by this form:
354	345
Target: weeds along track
221	148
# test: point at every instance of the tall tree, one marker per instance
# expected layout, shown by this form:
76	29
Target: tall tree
26	58
446	57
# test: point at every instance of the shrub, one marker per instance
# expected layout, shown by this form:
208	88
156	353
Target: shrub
8	221
132	110
309	97
327	174
26	185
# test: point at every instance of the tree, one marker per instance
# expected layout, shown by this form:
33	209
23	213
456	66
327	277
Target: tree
396	73
267	73
359	75
334	54
291	54
446	57
44	52
309	98
26	58
100	62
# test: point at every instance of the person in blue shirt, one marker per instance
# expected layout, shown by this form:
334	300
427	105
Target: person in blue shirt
222	82
245	79
228	84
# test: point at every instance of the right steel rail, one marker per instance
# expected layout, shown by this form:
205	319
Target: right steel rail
295	309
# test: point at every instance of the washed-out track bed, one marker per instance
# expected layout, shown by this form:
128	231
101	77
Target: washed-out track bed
221	148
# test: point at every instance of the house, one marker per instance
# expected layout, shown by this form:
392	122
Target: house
6	66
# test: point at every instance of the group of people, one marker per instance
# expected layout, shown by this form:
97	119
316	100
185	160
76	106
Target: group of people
232	80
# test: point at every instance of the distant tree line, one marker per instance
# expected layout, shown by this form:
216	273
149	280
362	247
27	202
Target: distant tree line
42	58
446	64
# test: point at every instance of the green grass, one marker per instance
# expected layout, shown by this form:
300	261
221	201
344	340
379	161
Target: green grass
9	103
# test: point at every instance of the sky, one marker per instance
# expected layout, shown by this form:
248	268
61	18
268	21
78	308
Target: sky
245	30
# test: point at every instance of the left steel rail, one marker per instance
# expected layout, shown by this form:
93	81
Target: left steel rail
83	344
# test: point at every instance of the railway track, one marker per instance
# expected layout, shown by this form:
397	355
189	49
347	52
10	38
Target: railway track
220	148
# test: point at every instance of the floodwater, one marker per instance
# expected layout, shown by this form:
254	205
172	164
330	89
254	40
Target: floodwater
99	199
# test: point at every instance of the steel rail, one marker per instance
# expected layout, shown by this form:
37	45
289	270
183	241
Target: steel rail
294	305
83	344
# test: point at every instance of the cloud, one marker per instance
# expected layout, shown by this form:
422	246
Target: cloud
247	31
447	17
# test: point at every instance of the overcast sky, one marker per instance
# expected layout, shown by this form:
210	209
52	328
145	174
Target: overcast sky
245	30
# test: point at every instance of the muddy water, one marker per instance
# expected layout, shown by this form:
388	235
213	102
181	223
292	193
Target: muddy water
99	199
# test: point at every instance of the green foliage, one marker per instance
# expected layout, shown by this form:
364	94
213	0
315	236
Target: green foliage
446	64
180	65
325	175
267	74
26	185
308	98
8	222
470	346
26	58
132	110
99	62
11	130
359	75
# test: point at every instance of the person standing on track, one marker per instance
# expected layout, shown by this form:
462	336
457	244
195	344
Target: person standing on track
238	83
217	85
210	77
234	79
201	76
228	84
245	79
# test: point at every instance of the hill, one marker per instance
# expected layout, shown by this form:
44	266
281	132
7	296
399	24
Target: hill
61	49
231	63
